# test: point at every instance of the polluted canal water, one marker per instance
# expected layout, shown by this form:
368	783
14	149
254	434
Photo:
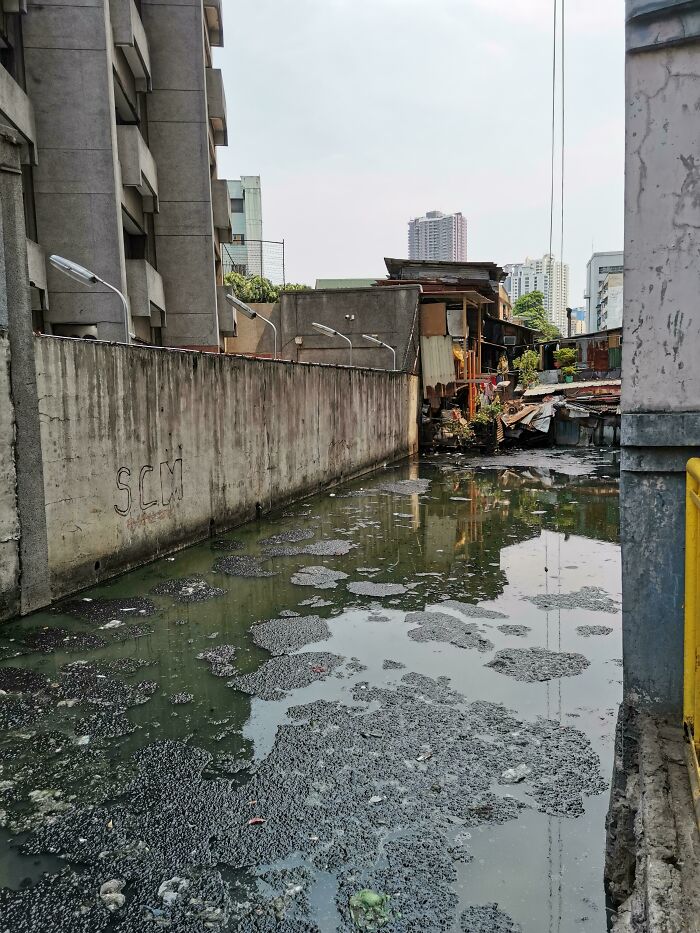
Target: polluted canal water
390	707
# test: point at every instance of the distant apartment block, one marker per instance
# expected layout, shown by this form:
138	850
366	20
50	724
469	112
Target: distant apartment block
244	254
438	237
121	113
610	301
599	267
546	275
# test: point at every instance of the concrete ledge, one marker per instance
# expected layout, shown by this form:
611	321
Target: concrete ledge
653	856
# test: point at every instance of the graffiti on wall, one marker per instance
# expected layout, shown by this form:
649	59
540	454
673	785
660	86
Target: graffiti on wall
148	494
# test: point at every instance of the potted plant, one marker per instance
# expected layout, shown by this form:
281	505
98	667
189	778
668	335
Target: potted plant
565	360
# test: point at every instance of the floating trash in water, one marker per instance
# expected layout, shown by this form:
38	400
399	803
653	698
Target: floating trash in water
588	630
473	612
243	566
220	659
188	590
370	909
366	588
440	627
487	919
520	631
282	636
538	664
322	578
588	597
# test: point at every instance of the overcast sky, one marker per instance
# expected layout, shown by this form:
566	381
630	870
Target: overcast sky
359	114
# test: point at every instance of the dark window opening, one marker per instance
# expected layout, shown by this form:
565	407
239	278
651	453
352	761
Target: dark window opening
237	206
29	205
135	245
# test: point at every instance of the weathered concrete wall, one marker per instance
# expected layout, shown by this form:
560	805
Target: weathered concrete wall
9	517
256	337
392	314
146	450
660	373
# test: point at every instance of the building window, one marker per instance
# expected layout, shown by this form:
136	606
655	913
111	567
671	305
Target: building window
237	206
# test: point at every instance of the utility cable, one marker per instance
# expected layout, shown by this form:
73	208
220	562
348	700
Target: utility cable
554	120
563	131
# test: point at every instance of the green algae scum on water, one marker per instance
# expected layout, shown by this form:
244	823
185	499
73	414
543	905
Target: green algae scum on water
390	708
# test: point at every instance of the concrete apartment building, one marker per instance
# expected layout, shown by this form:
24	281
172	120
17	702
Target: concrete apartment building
610	302
121	112
599	266
244	253
438	237
546	275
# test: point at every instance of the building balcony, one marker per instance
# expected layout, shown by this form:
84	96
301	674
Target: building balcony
216	106
138	166
214	21
16	109
221	210
146	291
228	322
130	36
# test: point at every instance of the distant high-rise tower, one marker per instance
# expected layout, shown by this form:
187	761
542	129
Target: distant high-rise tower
545	275
438	236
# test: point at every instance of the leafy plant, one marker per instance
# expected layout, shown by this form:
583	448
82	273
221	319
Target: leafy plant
567	357
255	289
487	414
530	308
527	367
568	370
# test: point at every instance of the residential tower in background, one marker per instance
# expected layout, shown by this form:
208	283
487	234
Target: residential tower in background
546	275
438	237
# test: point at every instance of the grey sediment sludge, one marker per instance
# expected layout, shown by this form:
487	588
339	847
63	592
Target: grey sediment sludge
538	664
284	635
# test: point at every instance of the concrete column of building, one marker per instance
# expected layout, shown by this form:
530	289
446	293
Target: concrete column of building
661	374
179	139
77	182
16	318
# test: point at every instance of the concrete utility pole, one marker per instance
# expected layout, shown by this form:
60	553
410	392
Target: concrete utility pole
661	350
16	320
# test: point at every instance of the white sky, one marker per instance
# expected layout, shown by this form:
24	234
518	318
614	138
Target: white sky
359	114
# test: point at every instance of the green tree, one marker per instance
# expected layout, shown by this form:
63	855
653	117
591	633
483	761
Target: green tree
254	289
530	308
527	366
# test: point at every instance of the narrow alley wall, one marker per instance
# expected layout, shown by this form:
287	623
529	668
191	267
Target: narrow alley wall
9	516
146	450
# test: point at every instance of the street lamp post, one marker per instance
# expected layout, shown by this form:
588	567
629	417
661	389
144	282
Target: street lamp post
331	332
249	313
80	274
380	343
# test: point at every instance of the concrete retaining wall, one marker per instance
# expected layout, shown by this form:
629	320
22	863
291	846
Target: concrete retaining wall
9	517
146	450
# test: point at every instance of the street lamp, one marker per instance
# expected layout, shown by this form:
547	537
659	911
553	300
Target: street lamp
380	343
80	274
331	332
249	313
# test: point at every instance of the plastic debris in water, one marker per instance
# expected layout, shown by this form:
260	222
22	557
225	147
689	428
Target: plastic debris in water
370	909
256	821
111	894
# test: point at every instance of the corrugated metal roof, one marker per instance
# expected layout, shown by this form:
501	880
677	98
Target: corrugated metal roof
437	360
539	391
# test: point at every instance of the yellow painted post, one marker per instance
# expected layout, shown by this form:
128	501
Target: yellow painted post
691	681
